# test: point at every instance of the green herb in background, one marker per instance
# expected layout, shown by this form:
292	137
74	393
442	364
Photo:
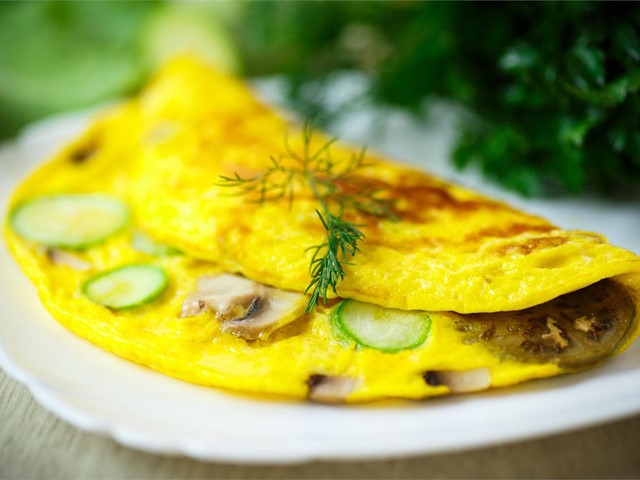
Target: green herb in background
554	86
57	56
66	55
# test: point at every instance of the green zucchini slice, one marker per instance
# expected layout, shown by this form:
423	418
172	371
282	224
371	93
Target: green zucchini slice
386	329
126	287
74	221
145	244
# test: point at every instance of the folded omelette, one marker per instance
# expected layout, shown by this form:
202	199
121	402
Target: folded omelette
144	237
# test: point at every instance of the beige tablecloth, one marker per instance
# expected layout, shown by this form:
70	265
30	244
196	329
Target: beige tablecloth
36	444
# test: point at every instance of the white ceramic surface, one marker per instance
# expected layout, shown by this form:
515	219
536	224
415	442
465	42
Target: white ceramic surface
97	391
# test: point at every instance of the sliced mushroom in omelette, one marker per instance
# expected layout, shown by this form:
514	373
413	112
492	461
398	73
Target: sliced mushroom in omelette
138	247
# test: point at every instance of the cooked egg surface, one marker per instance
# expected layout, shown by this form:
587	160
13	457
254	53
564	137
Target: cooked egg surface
451	250
195	349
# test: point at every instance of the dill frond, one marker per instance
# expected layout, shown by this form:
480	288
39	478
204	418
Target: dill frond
336	188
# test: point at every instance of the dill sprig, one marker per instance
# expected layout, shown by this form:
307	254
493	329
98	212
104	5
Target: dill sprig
337	190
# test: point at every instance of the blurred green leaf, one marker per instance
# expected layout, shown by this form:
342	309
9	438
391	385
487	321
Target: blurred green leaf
519	57
65	55
554	84
586	64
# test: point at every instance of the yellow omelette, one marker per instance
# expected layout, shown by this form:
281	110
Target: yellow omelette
135	243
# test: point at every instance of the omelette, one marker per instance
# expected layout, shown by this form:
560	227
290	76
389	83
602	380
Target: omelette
182	229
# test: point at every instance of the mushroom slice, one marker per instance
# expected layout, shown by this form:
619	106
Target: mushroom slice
220	293
62	257
330	388
192	307
247	309
460	381
266	313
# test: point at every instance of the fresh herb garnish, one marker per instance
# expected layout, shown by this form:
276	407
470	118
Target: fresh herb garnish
556	102
338	192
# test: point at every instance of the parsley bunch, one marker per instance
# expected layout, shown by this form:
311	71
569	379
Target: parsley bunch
554	86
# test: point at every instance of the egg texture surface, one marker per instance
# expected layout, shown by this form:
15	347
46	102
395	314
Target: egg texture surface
509	296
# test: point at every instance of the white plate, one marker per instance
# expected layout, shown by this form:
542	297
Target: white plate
97	391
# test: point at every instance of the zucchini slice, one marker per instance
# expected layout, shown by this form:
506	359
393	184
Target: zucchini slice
386	329
145	244
126	287
74	221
